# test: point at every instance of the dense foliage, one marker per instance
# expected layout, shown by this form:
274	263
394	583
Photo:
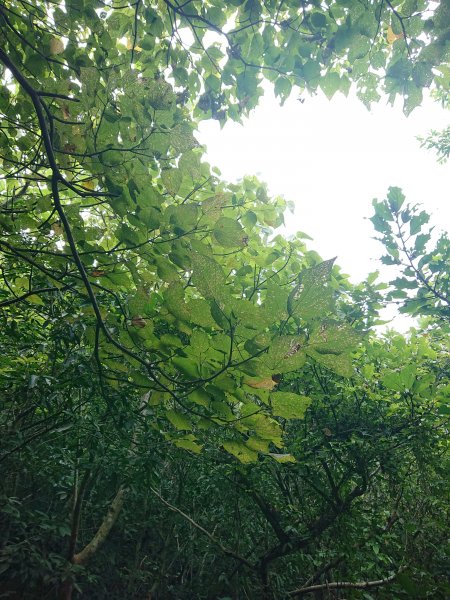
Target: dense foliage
192	405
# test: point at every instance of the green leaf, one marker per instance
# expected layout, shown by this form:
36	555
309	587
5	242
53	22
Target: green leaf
262	425
188	443
182	138
200	397
166	271
400	380
286	353
200	313
318	19
171	179
332	337
258	445
229	233
174	299
187	366
359	47
35	299
395	198
330	84
311	71
282	87
160	95
242	452
139	304
208	277
275	305
289	405
341	364
415	225
311	298
178	420
413	99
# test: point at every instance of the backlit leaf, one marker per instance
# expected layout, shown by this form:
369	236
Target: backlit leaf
289	405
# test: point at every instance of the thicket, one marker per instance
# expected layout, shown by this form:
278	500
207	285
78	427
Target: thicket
192	405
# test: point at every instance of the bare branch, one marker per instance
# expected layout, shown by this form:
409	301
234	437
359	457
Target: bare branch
209	535
340	585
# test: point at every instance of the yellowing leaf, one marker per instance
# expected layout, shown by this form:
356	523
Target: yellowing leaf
282	458
258	444
260	384
391	36
130	46
57	229
89	184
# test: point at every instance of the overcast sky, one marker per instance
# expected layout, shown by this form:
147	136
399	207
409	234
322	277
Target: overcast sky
332	158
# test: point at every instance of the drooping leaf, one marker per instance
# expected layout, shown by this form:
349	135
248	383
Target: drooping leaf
242	452
209	278
188	443
179	420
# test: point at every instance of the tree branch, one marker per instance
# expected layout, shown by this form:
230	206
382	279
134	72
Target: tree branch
340	585
32	293
209	535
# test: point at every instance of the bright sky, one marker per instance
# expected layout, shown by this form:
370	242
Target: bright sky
332	158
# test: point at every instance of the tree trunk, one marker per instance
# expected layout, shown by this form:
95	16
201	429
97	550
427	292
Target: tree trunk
66	589
266	593
82	557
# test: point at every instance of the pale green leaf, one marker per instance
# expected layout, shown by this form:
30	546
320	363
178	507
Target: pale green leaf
242	452
289	405
178	420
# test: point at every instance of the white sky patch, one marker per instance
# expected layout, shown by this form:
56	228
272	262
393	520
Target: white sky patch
332	158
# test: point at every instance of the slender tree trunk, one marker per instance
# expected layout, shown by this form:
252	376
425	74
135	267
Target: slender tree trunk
66	590
266	593
100	536
82	557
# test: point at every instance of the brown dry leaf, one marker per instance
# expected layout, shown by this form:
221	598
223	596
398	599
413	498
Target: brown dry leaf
57	229
138	322
66	113
56	46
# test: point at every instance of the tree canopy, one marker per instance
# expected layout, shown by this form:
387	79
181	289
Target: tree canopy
181	385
